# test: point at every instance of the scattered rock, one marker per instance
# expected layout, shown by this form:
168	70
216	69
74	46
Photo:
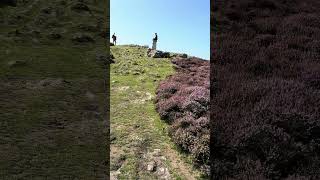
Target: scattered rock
151	166
114	175
156	152
178	55
163	173
157	54
16	63
82	38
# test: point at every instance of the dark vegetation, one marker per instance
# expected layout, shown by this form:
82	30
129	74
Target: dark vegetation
266	89
183	101
53	74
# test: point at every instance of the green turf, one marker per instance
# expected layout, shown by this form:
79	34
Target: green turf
53	105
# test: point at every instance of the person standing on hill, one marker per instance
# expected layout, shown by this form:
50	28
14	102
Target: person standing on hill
114	39
154	44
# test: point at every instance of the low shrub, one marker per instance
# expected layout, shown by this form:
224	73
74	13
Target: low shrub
183	101
265	118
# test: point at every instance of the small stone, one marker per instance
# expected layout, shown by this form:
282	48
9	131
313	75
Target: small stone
156	152
163	158
162	170
151	166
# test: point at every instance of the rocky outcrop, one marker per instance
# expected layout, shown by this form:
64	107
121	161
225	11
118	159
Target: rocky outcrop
157	54
155	163
174	55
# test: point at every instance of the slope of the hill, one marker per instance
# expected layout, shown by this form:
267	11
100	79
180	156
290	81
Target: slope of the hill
266	77
52	90
183	102
140	145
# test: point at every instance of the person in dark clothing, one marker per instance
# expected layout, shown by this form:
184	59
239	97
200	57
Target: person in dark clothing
156	37
114	39
154	44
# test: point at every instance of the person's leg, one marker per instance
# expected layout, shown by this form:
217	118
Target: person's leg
154	44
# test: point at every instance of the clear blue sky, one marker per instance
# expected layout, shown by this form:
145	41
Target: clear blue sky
183	26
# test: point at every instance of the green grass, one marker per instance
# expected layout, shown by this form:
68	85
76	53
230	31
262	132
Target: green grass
135	124
52	130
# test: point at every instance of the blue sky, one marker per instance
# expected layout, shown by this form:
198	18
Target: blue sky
183	26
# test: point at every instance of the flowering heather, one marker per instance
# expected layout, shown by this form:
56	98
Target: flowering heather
265	107
183	101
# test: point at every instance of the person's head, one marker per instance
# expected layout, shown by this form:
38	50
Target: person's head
155	33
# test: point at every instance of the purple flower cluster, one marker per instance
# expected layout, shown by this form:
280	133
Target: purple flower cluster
266	89
183	101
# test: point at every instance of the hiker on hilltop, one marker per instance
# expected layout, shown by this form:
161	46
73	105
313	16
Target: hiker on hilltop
114	39
154	44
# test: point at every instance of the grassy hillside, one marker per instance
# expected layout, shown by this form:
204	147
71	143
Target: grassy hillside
53	90
140	145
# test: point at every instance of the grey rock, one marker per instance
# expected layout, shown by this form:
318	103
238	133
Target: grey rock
179	55
151	166
157	54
